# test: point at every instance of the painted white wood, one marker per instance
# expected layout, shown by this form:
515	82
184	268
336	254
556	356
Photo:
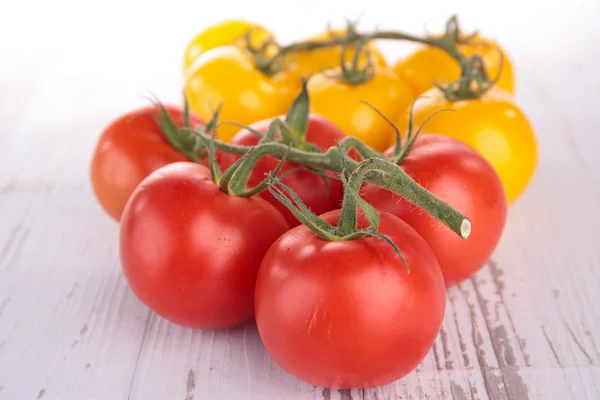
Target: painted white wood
526	326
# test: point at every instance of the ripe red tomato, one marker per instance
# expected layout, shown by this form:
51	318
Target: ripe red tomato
128	150
460	176
190	252
347	314
309	186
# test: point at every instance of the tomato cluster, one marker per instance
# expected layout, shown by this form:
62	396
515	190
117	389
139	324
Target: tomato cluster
268	217
493	125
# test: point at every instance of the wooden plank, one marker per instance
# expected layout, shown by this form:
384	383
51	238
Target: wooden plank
68	321
227	364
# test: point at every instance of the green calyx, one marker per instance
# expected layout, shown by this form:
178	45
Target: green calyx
267	55
181	139
347	227
353	73
474	81
197	142
401	151
291	131
234	180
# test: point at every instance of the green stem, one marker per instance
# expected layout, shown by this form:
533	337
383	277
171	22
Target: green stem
238	185
471	69
443	42
401	183
312	45
352	143
390	176
347	224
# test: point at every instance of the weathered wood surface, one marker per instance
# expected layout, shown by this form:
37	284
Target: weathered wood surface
526	327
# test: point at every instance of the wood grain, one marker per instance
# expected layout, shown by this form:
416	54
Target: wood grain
525	327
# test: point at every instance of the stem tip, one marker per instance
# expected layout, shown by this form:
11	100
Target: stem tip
465	228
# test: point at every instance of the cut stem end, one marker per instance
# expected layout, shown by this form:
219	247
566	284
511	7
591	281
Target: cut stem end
465	228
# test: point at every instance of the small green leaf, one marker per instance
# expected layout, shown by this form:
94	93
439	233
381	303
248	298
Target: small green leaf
212	124
390	242
297	117
186	113
229	172
274	182
215	169
398	144
180	139
271	131
287	136
410	140
324	230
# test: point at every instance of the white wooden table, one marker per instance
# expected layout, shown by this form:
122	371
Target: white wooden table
527	326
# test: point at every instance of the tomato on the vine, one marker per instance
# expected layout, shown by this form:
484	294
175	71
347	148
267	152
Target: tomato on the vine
340	102
128	150
229	76
224	33
493	125
311	62
462	178
317	193
427	64
347	314
191	252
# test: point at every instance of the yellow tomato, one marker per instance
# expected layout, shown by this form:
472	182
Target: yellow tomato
340	102
224	33
426	64
315	61
227	74
493	125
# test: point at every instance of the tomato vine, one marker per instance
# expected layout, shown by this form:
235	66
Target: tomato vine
382	172
472	84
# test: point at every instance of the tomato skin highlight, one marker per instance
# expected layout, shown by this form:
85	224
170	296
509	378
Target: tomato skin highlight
127	151
348	314
224	33
309	186
190	252
458	175
493	125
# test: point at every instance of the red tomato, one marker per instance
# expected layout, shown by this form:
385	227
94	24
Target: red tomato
309	186
128	150
347	314
458	175
190	252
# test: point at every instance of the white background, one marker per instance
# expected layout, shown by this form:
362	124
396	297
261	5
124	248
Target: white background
82	63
